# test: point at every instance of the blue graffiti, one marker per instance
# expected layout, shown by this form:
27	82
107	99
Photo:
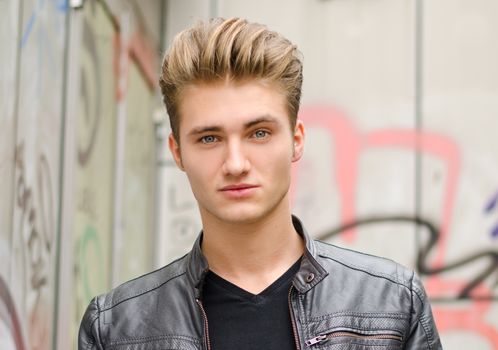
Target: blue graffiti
37	34
61	6
29	28
490	206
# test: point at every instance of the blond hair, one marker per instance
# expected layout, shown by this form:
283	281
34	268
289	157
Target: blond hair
229	49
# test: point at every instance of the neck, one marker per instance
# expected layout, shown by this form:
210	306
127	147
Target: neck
252	255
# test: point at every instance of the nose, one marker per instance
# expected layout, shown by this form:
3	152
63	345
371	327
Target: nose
236	162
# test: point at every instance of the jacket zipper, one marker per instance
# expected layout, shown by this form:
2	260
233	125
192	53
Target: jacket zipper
206	325
320	338
293	321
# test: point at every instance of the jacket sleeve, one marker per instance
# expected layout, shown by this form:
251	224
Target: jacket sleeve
423	332
89	334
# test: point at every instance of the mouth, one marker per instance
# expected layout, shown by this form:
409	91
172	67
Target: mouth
239	191
238	187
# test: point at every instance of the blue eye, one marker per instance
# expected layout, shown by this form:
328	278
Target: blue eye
208	139
259	134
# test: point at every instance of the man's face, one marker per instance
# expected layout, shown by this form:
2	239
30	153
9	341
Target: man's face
236	147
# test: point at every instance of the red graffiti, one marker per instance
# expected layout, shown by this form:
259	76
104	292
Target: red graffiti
144	55
348	144
10	318
140	52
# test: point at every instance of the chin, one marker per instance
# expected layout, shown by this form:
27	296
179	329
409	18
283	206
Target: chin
240	218
239	215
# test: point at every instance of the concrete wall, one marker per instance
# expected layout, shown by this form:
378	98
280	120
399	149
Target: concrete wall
77	160
400	103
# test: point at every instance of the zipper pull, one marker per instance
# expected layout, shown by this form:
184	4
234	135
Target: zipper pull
315	340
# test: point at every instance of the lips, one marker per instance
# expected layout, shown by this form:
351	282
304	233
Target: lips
239	191
238	187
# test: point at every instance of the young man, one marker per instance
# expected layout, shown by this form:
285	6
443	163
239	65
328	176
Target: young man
254	278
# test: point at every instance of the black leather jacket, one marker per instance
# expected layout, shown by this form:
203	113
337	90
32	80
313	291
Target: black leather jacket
340	299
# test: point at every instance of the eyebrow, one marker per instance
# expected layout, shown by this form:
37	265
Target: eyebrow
263	119
247	125
203	129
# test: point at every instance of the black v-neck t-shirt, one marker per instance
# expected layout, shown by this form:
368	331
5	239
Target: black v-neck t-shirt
241	320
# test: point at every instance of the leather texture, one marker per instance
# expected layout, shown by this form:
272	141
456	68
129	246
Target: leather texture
340	299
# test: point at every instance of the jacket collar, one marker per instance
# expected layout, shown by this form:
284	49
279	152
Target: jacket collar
309	275
311	272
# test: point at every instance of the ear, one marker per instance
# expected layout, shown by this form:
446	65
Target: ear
298	139
174	148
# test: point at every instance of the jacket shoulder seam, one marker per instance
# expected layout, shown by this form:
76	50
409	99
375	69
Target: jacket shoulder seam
332	246
159	269
391	278
135	294
370	272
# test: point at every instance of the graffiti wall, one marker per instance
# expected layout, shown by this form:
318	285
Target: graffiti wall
94	176
32	248
110	75
138	176
115	174
9	36
11	331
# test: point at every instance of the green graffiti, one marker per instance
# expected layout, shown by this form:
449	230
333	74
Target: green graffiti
90	243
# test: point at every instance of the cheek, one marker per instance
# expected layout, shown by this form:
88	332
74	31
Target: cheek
199	181
200	166
278	160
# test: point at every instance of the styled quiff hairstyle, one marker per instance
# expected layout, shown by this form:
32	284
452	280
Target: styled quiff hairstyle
231	49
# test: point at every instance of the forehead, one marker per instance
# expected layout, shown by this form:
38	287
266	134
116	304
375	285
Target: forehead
230	104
